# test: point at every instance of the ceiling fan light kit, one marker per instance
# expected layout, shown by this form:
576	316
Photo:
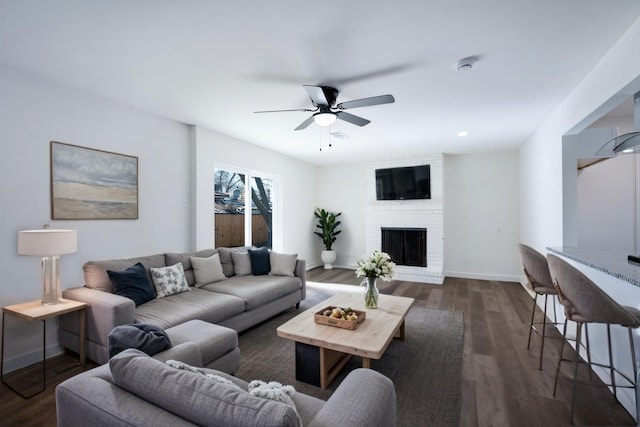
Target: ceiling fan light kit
325	118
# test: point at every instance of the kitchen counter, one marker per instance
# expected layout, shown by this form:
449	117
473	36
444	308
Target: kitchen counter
613	263
612	272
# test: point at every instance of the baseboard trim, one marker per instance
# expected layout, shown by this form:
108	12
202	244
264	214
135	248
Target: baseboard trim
439	279
346	267
29	358
482	276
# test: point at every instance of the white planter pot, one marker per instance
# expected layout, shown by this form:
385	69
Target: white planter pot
328	258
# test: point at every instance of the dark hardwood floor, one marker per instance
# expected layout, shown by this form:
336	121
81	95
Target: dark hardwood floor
501	383
39	410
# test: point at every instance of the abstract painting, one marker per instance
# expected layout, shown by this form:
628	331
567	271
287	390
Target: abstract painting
92	184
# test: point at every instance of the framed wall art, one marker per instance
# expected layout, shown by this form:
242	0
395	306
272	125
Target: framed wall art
92	184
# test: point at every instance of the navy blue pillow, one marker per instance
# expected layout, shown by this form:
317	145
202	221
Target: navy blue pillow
133	283
147	338
259	261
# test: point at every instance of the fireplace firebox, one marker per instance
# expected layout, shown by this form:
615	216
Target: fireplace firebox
406	246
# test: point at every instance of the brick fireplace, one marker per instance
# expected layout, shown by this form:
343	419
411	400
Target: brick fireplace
426	214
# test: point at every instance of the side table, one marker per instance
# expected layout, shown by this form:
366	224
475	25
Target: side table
35	310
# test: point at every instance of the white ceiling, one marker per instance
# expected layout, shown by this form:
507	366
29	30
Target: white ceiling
213	63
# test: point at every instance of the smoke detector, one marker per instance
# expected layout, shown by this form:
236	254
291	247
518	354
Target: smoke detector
465	64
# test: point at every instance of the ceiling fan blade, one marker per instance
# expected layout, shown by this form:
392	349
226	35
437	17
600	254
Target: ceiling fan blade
281	111
359	121
316	94
366	102
304	124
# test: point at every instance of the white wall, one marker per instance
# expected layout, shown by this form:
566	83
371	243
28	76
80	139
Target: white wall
610	183
34	112
342	188
481	218
583	145
494	203
298	191
616	75
606	204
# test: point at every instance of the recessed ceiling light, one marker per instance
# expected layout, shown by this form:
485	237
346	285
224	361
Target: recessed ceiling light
628	150
463	133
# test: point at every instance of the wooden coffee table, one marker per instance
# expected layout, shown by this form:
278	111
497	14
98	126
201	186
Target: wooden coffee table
322	350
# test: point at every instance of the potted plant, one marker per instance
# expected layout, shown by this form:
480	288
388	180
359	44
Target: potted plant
328	226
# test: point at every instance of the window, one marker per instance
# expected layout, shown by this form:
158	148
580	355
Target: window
243	213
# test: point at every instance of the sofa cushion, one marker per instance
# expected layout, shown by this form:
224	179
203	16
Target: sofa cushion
213	340
193	396
256	291
132	283
271	390
282	264
169	280
172	258
95	272
259	261
196	304
147	338
226	261
207	270
241	263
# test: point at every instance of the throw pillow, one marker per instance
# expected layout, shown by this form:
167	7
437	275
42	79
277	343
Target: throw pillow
184	366
169	280
241	263
259	261
214	377
132	283
207	270
273	390
226	261
147	338
282	264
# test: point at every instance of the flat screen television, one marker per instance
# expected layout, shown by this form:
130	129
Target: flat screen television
403	183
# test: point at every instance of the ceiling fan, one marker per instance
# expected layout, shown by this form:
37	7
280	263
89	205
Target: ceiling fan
327	111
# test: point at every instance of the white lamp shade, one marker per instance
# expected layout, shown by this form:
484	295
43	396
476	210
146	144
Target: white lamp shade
47	242
324	119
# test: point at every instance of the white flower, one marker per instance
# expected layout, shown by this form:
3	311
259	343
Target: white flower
378	265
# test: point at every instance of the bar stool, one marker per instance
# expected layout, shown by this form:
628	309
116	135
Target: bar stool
539	280
584	302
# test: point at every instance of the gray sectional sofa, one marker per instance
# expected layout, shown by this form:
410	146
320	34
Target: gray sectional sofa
237	302
137	390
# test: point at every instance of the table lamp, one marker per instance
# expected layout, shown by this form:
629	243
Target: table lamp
49	244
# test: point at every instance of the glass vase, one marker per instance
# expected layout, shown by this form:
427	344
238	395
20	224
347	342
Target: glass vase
371	293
